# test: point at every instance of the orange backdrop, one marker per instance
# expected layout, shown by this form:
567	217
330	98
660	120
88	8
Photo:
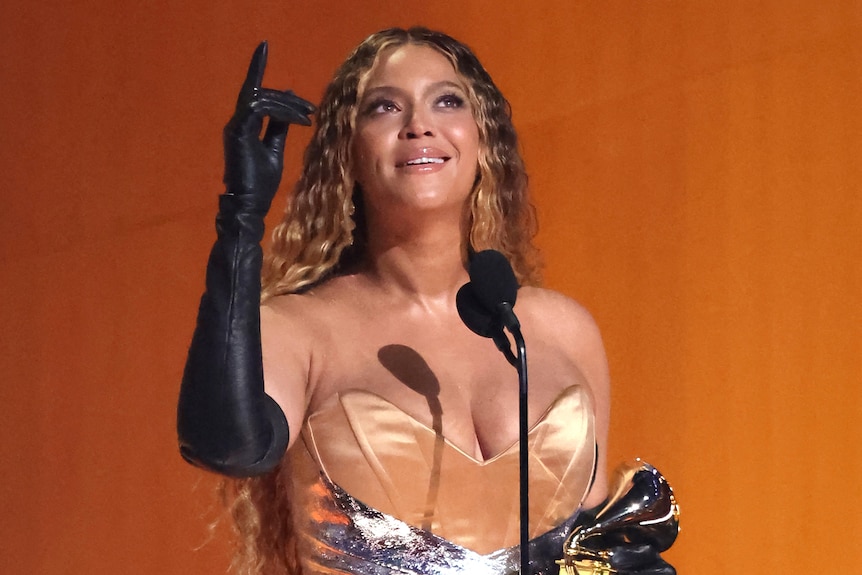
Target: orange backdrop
696	167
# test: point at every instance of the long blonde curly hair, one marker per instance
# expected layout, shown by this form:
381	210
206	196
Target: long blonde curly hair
323	233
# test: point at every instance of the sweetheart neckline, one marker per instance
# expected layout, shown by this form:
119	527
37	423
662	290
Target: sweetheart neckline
339	397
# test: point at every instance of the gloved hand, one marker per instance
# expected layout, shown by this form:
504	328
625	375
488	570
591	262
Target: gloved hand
639	559
225	420
253	166
642	557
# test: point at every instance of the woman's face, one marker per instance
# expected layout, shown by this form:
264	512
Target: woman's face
416	142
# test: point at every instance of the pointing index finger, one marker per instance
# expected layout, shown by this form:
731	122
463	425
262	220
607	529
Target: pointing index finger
254	78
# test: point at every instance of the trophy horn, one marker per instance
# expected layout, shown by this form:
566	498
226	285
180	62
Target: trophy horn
640	509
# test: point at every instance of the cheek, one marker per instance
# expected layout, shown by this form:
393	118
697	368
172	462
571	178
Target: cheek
359	147
363	157
470	132
357	158
371	143
468	137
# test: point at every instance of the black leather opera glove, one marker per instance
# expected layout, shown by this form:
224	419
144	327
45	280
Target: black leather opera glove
639	559
225	420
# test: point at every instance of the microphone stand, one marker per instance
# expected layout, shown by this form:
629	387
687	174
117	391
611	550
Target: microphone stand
524	451
520	363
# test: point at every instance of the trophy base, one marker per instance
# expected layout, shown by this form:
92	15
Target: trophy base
585	567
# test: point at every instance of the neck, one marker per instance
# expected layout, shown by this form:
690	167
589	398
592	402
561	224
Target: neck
420	260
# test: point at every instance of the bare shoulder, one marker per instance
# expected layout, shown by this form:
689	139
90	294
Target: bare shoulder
554	312
288	310
307	310
559	322
293	326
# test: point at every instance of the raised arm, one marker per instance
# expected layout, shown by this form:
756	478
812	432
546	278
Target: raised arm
225	420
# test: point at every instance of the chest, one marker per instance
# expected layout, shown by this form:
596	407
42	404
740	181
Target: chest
440	374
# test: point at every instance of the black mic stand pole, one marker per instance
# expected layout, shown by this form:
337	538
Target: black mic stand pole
524	450
513	325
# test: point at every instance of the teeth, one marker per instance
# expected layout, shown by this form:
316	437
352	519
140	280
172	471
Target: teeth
418	161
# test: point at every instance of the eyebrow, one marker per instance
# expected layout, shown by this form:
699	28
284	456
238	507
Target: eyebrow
385	89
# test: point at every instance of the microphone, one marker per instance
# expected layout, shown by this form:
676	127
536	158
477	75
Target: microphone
474	314
481	321
495	286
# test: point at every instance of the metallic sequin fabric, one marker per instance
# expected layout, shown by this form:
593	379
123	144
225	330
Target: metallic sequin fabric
352	538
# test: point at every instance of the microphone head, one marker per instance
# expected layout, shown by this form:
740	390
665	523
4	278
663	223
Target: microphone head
493	280
473	313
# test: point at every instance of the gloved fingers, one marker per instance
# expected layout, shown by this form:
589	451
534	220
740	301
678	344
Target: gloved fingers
255	102
276	133
283	106
281	109
244	126
301	103
634	556
254	76
639	559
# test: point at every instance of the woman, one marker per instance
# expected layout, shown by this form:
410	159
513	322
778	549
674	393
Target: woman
398	422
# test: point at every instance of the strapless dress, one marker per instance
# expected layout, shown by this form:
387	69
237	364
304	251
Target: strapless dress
375	492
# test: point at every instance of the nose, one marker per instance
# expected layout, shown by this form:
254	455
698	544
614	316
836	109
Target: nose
417	124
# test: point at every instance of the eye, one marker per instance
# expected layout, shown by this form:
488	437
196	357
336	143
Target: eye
381	106
450	101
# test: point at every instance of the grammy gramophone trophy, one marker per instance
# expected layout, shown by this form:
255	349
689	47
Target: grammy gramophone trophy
640	509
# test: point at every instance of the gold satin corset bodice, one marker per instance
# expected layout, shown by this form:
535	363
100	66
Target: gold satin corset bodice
388	461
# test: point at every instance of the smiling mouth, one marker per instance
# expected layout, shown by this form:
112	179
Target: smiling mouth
421	161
